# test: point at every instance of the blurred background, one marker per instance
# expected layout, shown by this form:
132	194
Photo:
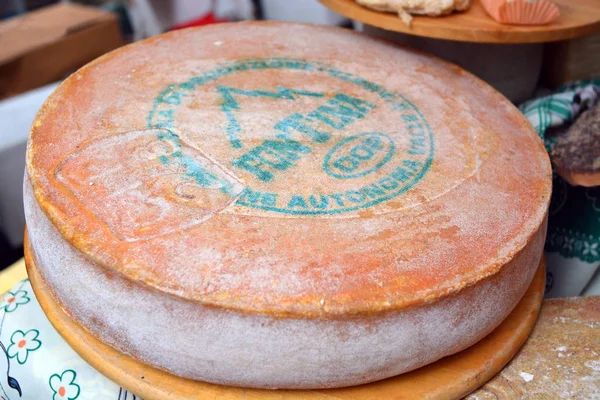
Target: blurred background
43	41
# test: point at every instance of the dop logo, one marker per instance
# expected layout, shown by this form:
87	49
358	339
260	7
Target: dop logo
359	155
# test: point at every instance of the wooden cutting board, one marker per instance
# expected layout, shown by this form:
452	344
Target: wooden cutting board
560	360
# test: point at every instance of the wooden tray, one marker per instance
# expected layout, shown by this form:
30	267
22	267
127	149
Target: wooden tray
578	18
449	378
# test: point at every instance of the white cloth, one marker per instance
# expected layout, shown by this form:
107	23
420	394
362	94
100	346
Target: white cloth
37	364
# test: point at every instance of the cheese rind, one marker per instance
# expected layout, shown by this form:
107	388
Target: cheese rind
301	188
239	349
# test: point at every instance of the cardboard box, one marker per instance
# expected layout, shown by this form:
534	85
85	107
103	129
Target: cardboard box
48	44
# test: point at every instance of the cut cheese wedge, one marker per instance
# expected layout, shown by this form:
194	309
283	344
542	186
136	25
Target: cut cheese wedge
282	205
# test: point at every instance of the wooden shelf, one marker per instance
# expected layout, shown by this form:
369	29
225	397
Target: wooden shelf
578	18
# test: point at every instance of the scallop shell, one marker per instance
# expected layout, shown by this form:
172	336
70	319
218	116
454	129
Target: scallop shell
522	12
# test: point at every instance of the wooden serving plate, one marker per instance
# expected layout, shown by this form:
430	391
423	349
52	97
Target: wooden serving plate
578	18
449	378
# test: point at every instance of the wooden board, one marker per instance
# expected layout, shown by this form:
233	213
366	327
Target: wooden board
450	378
578	18
560	359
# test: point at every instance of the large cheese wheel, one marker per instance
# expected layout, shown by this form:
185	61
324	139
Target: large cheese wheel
283	206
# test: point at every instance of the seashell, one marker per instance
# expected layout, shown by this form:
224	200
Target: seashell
522	12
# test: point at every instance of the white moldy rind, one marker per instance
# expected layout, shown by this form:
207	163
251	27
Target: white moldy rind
247	276
253	350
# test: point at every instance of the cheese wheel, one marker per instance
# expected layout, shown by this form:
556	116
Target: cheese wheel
281	205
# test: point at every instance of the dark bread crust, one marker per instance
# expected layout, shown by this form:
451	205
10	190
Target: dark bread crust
577	151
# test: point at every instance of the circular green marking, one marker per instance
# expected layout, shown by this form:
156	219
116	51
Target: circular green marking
417	162
361	153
